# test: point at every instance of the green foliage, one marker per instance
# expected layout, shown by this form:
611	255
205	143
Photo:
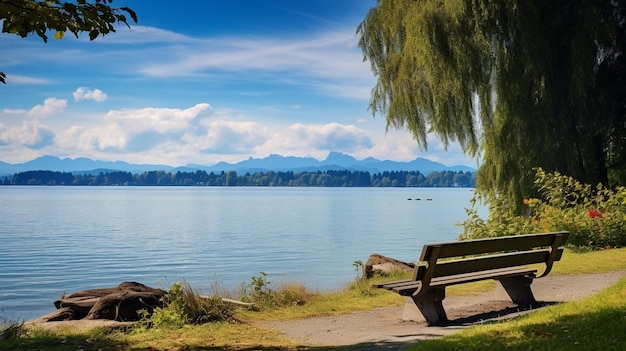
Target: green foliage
361	286
258	291
358	266
11	329
522	84
25	17
183	306
594	216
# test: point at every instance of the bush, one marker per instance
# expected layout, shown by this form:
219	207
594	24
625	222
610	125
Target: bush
258	291
182	305
594	216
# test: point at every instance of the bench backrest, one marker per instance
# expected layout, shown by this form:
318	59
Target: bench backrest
489	254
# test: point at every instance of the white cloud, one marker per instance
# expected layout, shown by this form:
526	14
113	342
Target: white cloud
332	136
20	79
8	111
314	140
83	93
31	134
328	62
228	137
142	129
50	107
143	35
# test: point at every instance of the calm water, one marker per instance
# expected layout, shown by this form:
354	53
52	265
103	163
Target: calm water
65	239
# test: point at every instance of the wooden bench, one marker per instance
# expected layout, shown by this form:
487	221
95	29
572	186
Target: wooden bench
505	259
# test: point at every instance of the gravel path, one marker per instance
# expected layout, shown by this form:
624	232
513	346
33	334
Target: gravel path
384	329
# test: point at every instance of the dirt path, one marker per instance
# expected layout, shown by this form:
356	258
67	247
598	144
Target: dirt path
383	328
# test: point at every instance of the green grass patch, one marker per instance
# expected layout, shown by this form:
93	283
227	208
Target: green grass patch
210	336
599	261
594	323
64	339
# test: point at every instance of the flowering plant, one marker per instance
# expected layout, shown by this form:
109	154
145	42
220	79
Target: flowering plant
594	216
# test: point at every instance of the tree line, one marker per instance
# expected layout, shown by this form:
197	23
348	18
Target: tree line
330	178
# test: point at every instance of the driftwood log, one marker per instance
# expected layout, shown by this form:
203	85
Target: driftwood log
120	303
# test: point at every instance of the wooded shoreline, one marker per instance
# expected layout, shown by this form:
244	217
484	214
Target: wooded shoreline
330	178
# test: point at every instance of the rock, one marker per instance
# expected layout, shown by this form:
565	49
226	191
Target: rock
379	264
120	303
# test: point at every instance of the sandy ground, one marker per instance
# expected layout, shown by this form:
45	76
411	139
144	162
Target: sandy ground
384	328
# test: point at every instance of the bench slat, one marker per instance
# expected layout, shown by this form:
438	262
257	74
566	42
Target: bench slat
407	286
387	285
490	245
485	263
484	275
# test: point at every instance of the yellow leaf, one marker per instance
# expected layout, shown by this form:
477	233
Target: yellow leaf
59	35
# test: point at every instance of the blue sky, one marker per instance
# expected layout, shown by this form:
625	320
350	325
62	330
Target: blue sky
202	82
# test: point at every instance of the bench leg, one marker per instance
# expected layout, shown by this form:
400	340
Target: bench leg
518	288
431	306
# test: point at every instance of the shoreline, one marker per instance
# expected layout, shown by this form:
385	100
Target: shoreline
384	326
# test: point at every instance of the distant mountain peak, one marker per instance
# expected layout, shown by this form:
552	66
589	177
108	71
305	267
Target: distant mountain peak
338	158
274	162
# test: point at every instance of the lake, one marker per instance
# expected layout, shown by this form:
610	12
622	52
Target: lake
65	239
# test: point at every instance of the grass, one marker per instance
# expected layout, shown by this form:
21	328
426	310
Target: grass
592	323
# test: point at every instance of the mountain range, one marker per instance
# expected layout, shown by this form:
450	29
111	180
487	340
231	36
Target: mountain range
334	161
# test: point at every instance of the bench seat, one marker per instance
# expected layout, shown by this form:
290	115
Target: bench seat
407	287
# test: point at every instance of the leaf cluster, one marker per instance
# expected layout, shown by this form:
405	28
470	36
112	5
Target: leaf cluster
594	216
25	17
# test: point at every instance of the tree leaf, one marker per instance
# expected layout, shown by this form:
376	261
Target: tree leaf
93	34
58	35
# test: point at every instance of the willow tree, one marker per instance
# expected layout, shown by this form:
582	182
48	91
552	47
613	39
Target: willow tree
518	84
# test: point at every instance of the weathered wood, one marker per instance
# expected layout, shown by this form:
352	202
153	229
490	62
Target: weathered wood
120	303
518	288
430	305
504	259
62	314
79	305
124	306
234	302
498	244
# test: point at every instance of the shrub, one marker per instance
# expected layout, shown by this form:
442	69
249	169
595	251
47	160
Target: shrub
258	291
182	305
292	294
594	216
